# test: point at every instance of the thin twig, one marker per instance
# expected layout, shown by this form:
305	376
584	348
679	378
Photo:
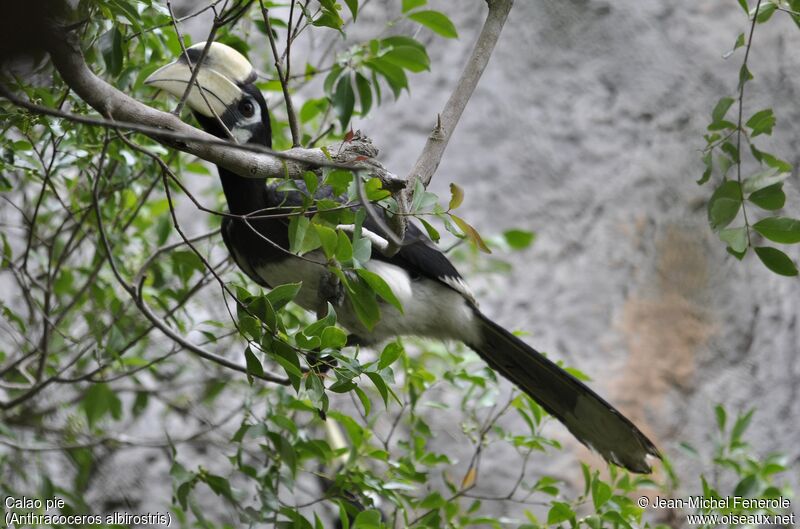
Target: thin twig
282	77
742	82
182	19
195	70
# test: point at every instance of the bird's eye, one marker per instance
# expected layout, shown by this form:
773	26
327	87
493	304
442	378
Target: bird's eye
247	108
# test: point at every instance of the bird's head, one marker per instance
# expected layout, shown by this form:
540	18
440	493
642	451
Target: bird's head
228	87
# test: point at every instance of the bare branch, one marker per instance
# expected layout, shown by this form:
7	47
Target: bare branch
283	77
446	122
429	159
248	160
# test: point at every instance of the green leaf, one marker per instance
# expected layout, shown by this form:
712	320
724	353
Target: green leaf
394	75
262	309
370	519
770	198
344	248
380	385
364	398
311	182
374	189
741	425
456	197
250	327
436	22
380	287
408	5
364	93
784	230
731	150
765	11
724	204
397	41
736	45
721	415
352	5
559	512
312	108
601	493
283	294
518	239
298	226
721	109
333	338
743	3
708	161
362	298
287	358
744	75
773	161
344	100
113	56
746	487
471	233
328	238
739	41
409	58
219	485
738	255
129	13
344	518
776	260
98	401
339	180
762	179
432	232
735	237
390	354
762	122
329	19
254	366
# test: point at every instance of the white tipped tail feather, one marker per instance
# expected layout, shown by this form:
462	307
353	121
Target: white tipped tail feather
592	420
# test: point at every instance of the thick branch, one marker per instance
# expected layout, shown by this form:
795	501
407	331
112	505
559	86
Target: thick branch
246	160
429	159
446	122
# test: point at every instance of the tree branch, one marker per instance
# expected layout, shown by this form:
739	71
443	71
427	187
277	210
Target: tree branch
446	122
283	76
249	160
429	159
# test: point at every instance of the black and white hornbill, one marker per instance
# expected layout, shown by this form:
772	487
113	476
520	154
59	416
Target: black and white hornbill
437	302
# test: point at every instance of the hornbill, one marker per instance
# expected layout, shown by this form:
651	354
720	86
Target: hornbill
436	300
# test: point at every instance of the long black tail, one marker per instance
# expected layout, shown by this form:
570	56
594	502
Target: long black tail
592	420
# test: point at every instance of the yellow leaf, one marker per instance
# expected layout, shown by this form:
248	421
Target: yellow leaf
456	197
469	478
471	233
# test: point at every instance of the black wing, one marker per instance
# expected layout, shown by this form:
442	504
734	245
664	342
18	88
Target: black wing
229	237
419	255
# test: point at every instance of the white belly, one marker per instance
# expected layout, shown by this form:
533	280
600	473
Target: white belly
430	309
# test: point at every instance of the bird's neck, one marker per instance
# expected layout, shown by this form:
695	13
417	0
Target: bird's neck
244	195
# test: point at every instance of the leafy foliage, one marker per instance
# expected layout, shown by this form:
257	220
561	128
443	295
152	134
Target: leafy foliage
732	196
